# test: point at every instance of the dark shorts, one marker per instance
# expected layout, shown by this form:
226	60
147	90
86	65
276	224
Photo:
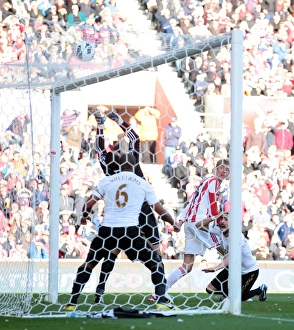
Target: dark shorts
148	224
127	239
220	282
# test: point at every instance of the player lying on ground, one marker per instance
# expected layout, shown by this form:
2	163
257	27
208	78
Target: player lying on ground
250	269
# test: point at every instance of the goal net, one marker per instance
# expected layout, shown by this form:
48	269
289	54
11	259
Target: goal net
50	164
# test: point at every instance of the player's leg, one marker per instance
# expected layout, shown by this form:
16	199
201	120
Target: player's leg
136	247
182	271
85	270
192	247
106	268
248	281
219	285
149	227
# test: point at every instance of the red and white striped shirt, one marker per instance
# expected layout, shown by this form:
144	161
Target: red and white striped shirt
204	202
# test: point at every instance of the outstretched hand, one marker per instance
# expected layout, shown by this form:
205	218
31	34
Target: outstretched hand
209	270
177	227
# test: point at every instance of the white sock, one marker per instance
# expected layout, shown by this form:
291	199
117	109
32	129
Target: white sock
175	276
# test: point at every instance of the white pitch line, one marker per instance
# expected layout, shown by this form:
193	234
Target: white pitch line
267	318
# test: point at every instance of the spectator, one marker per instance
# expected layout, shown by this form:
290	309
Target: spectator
88	145
5	201
254	235
67	219
74	134
19	124
200	31
290	246
256	137
180	175
7	10
17	252
69	250
86	8
4	225
246	224
284	229
43	35
66	173
200	89
87	231
12	181
192	185
283	136
262	218
66	203
67	118
272	41
37	251
148	117
263	190
104	52
194	67
76	17
41	193
173	133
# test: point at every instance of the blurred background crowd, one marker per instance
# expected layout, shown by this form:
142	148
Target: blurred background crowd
52	30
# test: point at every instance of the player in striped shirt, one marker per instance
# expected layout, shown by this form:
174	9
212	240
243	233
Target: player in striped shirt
203	204
249	266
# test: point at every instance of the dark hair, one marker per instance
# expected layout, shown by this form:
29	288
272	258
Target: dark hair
112	161
223	162
127	162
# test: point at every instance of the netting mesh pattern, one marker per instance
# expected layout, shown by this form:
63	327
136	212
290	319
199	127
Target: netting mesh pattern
128	285
83	71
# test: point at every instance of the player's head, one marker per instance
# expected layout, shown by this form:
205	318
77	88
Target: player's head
223	222
127	162
222	169
112	161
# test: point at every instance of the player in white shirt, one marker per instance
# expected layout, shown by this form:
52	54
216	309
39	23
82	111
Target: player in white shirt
249	270
203	204
123	194
147	220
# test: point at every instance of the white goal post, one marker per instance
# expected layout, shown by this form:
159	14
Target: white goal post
49	304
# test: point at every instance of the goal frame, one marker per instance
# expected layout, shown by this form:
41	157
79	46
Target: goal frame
236	39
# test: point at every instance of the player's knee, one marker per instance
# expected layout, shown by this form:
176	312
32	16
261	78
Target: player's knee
157	274
155	262
210	289
89	266
108	264
187	268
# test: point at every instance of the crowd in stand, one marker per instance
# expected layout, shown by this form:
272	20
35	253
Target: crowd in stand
52	30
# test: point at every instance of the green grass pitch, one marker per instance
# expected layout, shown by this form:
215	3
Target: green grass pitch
276	313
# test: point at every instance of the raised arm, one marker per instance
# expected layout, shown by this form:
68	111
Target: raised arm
100	140
100	148
87	207
134	144
165	216
223	264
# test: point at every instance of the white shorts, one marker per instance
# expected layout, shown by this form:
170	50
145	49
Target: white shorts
197	241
